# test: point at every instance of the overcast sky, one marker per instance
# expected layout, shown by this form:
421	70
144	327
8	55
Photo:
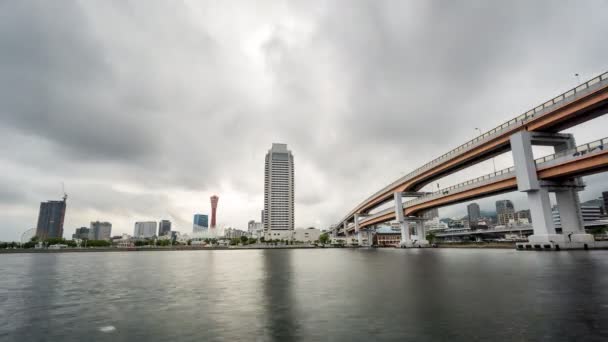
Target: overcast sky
146	108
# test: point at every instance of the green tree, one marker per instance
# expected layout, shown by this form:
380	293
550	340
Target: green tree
431	236
244	240
324	238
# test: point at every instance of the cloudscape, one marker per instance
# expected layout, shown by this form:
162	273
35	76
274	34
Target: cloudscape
144	109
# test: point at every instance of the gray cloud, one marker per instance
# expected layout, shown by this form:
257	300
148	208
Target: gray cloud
144	109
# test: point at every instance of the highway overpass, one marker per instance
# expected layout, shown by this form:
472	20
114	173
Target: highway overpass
559	172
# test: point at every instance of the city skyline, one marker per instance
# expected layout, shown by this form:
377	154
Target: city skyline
347	107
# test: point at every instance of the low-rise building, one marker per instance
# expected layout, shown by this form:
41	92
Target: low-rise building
387	237
306	235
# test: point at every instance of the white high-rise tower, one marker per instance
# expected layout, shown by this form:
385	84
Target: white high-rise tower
278	194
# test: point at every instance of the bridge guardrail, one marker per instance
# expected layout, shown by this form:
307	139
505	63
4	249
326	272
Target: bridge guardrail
518	121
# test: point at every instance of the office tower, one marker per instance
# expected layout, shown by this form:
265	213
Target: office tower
145	229
214	200
505	211
100	231
50	219
262	216
201	223
164	227
279	193
605	198
81	233
474	214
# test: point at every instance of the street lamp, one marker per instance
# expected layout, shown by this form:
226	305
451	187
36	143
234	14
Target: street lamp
493	162
578	78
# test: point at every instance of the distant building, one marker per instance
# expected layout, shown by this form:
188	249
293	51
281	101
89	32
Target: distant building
605	198
505	211
255	229
100	231
201	223
164	227
589	214
81	233
50	219
214	199
474	214
306	235
523	215
144	229
231	233
279	193
387	236
435	225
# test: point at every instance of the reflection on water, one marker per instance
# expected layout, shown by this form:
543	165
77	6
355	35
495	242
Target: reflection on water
278	277
307	295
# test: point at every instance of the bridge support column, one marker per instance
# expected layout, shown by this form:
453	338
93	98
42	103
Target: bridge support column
357	231
345	228
421	234
406	239
545	236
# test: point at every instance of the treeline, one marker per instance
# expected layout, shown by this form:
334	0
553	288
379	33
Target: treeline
55	241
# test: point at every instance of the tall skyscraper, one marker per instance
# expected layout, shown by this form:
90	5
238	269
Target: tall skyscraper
50	219
214	200
100	231
279	193
605	198
505	211
201	223
164	227
145	229
474	214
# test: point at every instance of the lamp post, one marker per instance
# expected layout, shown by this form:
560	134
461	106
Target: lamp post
493	162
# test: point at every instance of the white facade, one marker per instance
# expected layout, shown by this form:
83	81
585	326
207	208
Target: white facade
100	231
279	193
435	224
589	214
276	234
144	229
255	229
307	235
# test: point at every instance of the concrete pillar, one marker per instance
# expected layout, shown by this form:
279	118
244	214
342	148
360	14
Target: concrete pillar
405	229
540	210
527	181
538	196
570	213
345	226
357	232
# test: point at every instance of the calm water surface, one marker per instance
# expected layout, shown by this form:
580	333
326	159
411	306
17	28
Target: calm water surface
305	295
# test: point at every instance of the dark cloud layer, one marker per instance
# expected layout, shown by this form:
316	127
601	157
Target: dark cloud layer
145	108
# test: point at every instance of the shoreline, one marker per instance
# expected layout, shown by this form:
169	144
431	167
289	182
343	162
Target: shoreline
190	248
143	249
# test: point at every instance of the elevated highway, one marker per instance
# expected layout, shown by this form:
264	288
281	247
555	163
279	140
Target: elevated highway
580	104
580	161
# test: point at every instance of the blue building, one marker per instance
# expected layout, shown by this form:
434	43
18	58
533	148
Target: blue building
201	223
